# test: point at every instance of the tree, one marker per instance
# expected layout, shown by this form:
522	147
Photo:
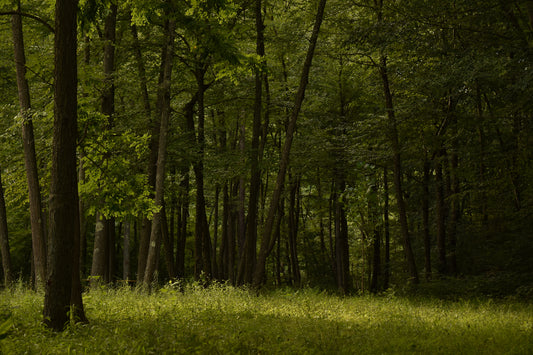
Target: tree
155	235
4	239
30	159
63	272
397	160
267	241
102	266
250	244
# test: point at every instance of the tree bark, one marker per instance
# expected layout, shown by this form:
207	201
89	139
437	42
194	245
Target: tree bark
64	187
397	163
100	251
4	239
440	211
167	243
183	216
425	219
30	158
155	234
202	236
266	241
455	213
376	243
294	216
126	260
386	227
342	253
250	245
154	126
103	253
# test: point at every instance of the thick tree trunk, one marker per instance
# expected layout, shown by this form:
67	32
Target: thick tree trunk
155	234
266	241
64	186
4	239
30	158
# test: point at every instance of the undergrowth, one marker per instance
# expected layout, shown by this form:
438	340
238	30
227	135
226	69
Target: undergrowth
225	320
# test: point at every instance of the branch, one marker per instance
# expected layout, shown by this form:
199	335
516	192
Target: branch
36	18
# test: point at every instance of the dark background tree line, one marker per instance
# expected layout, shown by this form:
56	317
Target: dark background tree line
211	147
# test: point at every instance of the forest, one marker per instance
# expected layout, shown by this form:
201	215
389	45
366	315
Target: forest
353	146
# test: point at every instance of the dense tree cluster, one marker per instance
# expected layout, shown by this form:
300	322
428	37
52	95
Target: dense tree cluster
353	145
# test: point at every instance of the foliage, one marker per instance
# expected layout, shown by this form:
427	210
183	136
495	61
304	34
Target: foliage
461	82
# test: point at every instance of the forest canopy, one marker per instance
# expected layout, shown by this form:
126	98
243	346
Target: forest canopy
360	146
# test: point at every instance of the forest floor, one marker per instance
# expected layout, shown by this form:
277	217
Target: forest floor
226	320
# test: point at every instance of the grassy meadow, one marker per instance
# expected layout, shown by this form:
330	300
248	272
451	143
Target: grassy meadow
226	320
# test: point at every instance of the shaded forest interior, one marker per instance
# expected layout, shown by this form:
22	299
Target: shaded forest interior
350	145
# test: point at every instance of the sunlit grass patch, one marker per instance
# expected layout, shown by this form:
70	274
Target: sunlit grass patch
223	319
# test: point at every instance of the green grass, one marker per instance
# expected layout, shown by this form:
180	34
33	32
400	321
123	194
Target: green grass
227	320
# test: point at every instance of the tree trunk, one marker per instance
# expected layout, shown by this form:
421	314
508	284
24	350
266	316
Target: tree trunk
425	219
386	227
202	236
342	253
214	261
183	216
294	214
155	234
255	158
108	95
376	243
111	250
83	219
4	239
64	186
440	211
100	251
154	142
154	127
30	159
397	163
266	241
126	251
455	213
168	245
241	215
482	153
